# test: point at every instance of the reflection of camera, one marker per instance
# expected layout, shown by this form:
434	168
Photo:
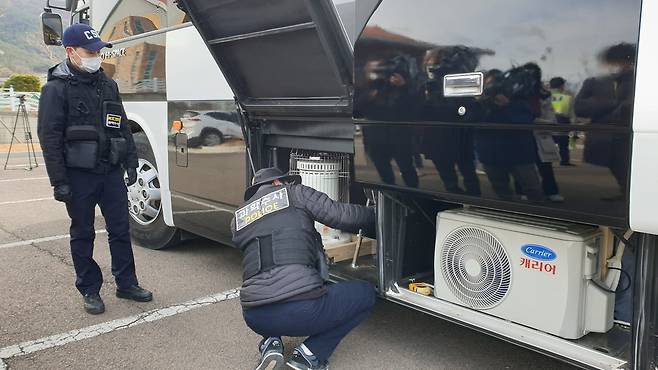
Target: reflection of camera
517	83
380	74
434	83
447	61
21	98
493	83
452	60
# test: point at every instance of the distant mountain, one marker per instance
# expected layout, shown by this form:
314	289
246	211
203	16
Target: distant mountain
21	42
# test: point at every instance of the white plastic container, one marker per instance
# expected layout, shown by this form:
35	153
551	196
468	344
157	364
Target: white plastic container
323	175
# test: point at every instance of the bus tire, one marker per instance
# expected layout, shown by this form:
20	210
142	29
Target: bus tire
145	230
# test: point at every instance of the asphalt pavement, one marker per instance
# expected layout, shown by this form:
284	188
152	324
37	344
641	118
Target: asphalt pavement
195	321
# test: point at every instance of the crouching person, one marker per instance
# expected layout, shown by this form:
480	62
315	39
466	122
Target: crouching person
285	290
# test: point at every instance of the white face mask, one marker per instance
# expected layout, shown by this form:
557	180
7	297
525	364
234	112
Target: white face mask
91	64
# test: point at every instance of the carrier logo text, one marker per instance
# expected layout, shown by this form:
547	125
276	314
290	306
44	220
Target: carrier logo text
538	252
538	265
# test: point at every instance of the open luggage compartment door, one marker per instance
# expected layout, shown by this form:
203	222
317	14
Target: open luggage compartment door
287	57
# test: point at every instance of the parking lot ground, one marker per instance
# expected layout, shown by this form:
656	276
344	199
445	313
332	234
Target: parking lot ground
194	322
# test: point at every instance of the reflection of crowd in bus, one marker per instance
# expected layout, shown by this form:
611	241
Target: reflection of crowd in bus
402	89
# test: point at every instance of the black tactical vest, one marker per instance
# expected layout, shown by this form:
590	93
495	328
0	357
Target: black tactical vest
90	100
271	231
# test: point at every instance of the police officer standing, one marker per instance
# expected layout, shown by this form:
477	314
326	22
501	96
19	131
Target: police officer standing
87	144
562	102
284	292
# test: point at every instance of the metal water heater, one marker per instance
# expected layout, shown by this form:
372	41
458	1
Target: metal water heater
325	173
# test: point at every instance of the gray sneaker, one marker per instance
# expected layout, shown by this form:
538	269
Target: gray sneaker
301	361
271	354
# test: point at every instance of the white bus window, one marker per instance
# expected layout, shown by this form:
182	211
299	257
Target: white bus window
138	67
134	17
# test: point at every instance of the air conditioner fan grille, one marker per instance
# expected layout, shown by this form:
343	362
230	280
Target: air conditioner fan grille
476	267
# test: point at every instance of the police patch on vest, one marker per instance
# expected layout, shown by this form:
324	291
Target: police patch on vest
113	121
261	207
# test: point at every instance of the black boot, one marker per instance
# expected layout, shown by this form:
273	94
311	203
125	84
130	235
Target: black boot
136	293
271	354
302	361
94	304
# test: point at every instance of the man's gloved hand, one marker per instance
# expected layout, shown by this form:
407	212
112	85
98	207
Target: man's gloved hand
62	193
132	176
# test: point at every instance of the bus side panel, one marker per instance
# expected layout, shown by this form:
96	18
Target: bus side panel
207	154
207	164
644	177
509	141
192	73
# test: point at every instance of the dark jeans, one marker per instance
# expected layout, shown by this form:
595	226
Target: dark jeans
109	192
418	160
451	180
563	144
381	158
325	320
525	174
619	168
548	181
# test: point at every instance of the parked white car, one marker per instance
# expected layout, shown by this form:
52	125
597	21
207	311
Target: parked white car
210	128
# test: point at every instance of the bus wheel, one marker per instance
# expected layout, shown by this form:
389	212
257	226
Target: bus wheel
147	226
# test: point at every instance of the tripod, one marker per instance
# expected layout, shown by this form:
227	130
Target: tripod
21	113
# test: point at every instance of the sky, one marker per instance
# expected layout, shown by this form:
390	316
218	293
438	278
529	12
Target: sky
569	33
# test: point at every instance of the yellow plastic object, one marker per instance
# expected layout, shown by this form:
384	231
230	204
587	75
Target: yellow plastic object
421	288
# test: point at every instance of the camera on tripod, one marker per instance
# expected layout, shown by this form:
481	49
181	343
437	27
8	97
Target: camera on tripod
22	117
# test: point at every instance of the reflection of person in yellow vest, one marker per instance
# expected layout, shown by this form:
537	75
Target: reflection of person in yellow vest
562	103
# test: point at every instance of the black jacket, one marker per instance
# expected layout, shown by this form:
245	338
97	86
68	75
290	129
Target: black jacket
69	98
606	100
282	251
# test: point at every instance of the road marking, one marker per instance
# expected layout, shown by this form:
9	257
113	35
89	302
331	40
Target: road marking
25	201
58	340
25	179
41	240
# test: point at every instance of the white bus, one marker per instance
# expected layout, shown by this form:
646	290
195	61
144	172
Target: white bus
430	109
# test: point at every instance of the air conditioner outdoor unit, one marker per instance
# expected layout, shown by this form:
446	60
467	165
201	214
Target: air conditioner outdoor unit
531	271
